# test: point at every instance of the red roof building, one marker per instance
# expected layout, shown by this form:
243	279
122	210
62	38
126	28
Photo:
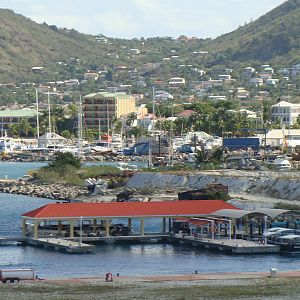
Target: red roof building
77	212
186	113
128	209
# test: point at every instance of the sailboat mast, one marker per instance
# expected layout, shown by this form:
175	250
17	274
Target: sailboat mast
153	110
80	127
99	128
49	115
37	113
107	115
172	136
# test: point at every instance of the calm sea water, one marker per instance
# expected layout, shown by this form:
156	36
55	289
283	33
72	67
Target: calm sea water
124	259
13	170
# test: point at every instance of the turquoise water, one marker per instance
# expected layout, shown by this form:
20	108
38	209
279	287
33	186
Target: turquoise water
13	170
124	259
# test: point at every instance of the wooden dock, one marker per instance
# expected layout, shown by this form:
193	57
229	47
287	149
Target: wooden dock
222	244
234	246
61	245
149	238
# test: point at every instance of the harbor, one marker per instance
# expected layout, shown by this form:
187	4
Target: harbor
210	224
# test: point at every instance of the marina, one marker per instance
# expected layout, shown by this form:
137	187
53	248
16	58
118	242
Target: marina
123	257
128	255
58	226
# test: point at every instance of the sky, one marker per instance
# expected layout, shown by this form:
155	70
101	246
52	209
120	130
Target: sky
144	18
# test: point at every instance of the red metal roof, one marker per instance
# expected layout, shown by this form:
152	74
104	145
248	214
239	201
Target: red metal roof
129	209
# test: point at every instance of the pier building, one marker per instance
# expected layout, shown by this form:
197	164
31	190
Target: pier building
212	224
100	215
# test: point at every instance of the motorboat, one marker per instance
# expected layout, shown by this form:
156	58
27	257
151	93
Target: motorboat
123	166
289	243
273	234
102	147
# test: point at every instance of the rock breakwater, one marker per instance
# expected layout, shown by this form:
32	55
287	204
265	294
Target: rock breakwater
55	191
271	184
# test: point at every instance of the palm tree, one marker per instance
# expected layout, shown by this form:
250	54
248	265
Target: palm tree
25	127
14	130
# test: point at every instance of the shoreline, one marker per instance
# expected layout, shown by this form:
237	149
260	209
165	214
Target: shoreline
178	277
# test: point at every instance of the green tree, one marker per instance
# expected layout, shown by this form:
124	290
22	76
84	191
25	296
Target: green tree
137	131
66	134
62	160
25	127
91	134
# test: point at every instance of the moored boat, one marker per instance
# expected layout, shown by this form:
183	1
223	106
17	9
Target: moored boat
289	244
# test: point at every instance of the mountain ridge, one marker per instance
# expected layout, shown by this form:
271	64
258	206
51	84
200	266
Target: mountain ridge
274	37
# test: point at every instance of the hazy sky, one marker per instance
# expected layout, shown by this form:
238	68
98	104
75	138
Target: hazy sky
147	18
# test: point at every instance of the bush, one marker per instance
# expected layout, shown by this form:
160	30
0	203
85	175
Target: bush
96	171
62	160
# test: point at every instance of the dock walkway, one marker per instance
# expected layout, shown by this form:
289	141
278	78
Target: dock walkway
62	245
235	246
11	240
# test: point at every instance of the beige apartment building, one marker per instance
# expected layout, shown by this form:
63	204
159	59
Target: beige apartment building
101	108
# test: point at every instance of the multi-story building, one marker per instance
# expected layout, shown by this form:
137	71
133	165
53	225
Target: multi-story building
284	112
99	109
15	116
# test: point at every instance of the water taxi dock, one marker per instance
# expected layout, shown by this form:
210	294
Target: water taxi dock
234	246
62	245
209	224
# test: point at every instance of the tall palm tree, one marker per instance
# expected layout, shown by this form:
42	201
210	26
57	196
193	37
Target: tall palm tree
25	127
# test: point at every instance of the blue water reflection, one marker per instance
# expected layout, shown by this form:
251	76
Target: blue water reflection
124	259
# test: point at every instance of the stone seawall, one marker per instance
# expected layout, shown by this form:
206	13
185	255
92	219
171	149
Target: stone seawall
51	191
271	184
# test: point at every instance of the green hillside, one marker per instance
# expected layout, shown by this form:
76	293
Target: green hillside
274	36
25	44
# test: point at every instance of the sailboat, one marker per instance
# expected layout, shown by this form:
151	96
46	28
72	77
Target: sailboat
7	144
103	145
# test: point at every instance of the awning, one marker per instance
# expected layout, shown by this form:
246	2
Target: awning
236	214
272	212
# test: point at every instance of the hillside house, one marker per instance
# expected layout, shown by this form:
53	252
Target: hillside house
71	82
284	112
162	95
295	70
176	81
256	81
90	76
248	71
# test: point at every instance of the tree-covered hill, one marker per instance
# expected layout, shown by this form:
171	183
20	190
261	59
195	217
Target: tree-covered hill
274	36
63	53
25	44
